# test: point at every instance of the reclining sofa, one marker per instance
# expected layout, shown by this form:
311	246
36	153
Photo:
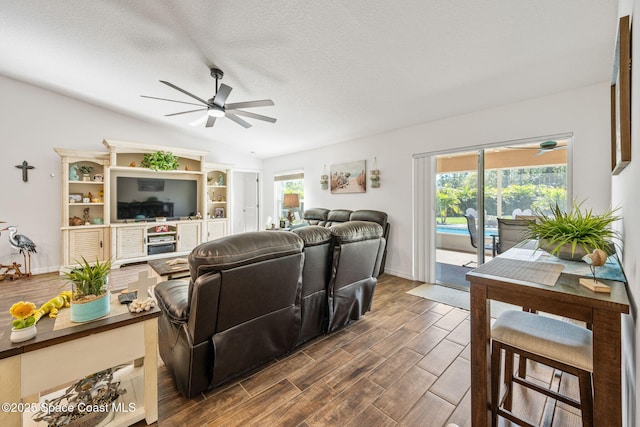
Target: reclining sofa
252	297
329	217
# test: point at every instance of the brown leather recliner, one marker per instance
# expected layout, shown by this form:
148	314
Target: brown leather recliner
240	308
315	279
329	217
357	254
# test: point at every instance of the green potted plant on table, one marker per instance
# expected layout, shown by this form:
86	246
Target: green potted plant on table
573	234
90	290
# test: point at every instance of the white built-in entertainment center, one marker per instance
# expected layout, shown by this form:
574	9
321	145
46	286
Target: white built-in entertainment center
154	214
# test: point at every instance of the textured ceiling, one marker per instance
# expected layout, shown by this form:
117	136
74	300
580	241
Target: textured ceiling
336	70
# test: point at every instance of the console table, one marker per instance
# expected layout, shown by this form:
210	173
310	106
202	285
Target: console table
56	357
566	297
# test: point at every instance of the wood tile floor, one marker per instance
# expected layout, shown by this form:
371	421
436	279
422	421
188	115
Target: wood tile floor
405	363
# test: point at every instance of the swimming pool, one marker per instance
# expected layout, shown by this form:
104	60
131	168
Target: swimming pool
462	229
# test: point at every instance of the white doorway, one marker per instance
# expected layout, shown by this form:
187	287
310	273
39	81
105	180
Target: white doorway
245	193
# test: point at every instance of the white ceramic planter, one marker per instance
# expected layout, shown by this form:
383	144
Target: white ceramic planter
19	335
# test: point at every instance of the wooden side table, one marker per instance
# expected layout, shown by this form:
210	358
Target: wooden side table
566	297
56	357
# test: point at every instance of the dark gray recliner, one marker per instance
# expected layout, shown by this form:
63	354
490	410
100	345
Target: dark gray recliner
240	308
357	254
329	217
314	311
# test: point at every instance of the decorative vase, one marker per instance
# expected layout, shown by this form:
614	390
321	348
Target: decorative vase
19	335
90	300
85	311
565	251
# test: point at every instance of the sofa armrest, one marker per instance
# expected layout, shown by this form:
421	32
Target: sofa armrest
173	299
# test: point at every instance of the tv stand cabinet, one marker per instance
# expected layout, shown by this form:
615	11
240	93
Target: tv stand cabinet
90	227
135	242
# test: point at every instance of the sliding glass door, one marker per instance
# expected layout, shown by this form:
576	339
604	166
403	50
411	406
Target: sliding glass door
456	202
500	181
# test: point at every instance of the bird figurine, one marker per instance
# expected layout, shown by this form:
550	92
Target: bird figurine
595	259
23	244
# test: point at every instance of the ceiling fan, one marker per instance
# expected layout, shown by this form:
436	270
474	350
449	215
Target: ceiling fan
544	147
217	106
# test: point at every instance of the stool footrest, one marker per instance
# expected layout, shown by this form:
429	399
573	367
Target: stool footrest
557	396
504	413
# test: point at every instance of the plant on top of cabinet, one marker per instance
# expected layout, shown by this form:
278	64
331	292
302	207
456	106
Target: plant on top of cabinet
160	161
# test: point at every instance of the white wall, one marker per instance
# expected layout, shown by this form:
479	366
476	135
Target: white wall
585	112
625	194
36	120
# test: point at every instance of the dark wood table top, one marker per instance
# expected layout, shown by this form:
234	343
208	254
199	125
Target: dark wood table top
164	267
566	290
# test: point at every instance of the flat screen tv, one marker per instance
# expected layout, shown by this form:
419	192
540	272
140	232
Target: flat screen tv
149	198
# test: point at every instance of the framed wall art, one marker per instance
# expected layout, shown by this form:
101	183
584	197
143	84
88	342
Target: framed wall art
349	177
621	100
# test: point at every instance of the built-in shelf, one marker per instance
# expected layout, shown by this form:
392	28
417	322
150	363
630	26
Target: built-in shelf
128	241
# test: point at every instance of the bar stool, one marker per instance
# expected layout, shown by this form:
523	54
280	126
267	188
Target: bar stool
552	342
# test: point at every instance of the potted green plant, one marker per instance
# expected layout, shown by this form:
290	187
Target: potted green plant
573	234
160	161
23	326
85	170
90	297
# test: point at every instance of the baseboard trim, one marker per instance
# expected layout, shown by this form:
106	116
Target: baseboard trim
398	274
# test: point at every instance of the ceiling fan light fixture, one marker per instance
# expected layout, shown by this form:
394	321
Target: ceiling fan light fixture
215	111
217	106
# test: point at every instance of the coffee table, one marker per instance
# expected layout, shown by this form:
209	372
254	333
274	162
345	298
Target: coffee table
170	268
58	356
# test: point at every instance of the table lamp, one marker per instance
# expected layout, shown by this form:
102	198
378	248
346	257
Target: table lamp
291	201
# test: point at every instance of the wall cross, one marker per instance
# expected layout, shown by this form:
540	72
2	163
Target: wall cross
25	170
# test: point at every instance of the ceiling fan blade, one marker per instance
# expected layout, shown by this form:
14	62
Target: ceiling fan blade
222	95
210	121
185	112
250	104
184	91
171	100
546	150
252	115
238	120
